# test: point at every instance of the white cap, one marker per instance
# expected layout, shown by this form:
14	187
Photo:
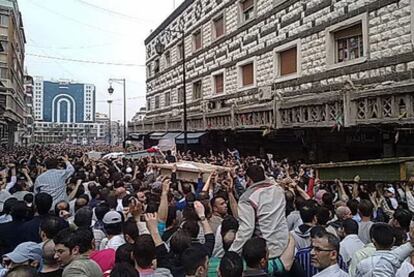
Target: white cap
391	189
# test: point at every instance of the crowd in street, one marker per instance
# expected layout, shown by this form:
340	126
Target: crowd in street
64	213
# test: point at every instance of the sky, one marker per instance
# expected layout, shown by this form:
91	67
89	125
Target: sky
111	31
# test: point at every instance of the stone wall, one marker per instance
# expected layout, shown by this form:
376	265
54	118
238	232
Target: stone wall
389	59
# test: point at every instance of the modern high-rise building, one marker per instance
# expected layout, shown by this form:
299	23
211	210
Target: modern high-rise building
64	111
12	51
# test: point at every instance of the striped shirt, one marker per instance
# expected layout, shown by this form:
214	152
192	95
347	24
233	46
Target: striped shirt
303	256
53	182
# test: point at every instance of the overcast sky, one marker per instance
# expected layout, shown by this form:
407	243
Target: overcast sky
88	30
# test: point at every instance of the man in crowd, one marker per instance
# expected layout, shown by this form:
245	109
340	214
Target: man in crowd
53	181
255	255
50	266
72	253
261	210
325	252
301	234
113	228
26	253
219	206
350	243
365	210
182	242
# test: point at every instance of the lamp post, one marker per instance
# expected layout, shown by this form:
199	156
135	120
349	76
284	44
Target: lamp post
111	90
159	48
110	123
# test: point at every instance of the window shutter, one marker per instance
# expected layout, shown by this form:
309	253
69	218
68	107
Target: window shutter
288	61
219	83
197	40
219	26
352	31
247	74
247	4
180	51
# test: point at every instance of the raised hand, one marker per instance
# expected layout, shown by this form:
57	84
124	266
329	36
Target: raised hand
152	222
199	209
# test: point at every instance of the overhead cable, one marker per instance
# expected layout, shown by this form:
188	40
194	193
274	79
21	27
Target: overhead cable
84	61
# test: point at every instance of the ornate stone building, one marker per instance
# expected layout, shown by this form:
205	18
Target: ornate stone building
316	79
12	53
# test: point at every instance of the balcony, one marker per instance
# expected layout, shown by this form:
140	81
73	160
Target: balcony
346	107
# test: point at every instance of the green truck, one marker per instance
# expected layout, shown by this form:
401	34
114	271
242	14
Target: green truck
378	170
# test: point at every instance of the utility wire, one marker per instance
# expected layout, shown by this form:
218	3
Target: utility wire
69	47
84	61
54	61
75	20
126	16
120	99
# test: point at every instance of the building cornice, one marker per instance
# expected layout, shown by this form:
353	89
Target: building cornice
169	20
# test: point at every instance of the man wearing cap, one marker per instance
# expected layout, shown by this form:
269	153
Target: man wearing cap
26	253
389	204
113	228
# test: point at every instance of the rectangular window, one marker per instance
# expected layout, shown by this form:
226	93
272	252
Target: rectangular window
180	95
219	83
247	74
5	45
288	61
157	102
3	73
197	90
179	51
148	104
4	20
349	43
218	24
167	99
197	40
167	59
247	10
149	71
157	66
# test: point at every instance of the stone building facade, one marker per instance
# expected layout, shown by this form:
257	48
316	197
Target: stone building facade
12	94
327	73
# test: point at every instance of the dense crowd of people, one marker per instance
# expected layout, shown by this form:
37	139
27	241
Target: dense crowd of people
64	213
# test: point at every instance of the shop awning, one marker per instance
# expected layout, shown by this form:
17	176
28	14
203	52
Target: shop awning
157	135
135	136
167	142
171	135
192	138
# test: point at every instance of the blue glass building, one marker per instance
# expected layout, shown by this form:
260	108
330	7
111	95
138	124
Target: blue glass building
63	102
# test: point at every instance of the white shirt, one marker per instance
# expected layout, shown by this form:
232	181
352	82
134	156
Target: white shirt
405	269
113	243
218	244
119	207
364	228
365	252
348	246
332	271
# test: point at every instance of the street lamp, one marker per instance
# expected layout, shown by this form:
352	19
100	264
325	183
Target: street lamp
110	123
111	91
159	48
